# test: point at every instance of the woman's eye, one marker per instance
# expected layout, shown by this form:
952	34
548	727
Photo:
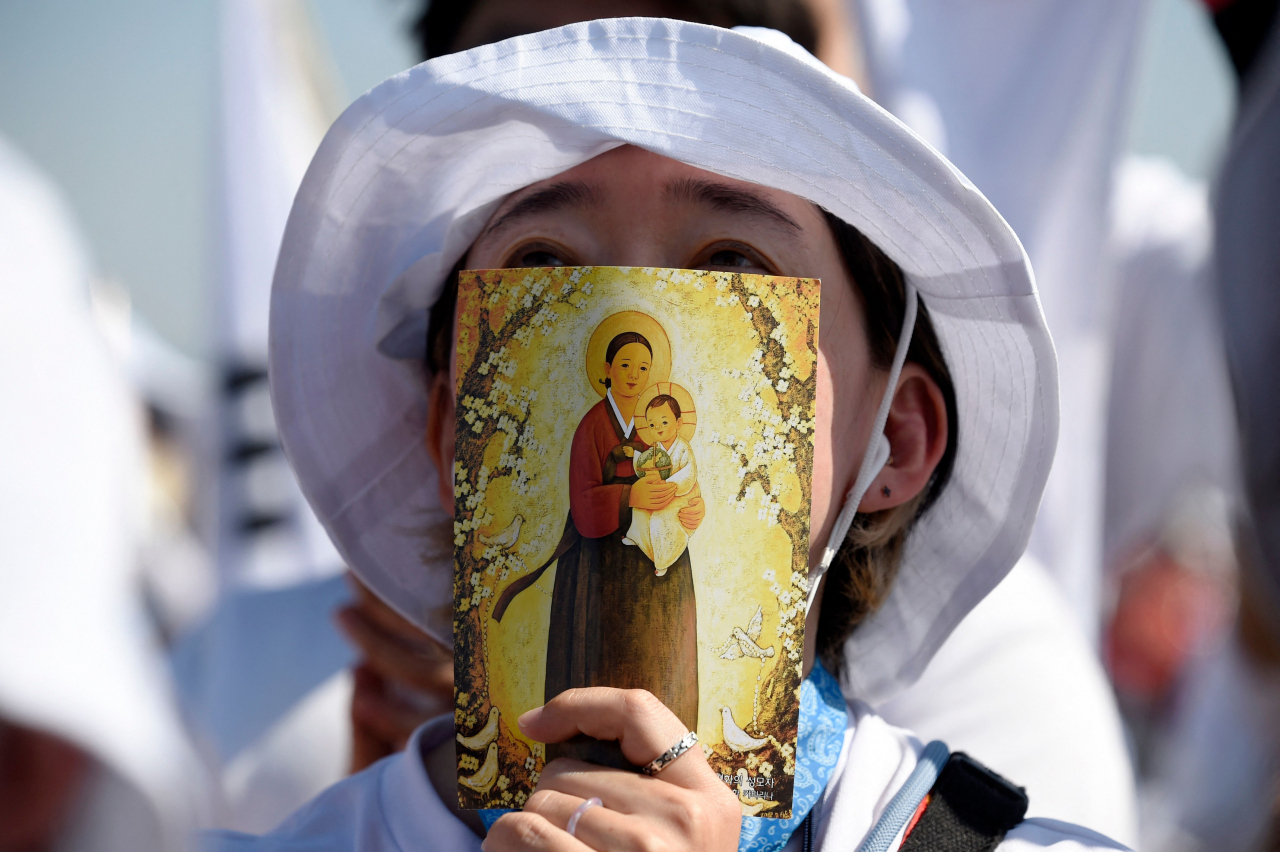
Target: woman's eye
538	257
732	256
729	259
534	255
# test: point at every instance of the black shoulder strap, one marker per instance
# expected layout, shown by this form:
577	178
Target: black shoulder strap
970	809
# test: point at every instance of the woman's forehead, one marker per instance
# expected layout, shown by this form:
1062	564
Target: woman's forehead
628	175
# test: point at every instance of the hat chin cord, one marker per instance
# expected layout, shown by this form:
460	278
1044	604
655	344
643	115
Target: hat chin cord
877	454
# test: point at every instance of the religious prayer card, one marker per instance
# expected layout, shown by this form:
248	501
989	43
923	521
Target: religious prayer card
632	489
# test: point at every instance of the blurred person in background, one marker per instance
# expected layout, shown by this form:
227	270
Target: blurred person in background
821	27
1218	784
1020	656
1031	101
1171	467
92	753
261	670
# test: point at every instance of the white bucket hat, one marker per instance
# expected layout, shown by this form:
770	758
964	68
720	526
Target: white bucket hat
407	177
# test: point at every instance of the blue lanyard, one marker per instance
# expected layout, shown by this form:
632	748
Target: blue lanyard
823	719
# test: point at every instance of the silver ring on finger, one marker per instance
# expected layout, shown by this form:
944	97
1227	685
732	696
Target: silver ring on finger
669	756
593	802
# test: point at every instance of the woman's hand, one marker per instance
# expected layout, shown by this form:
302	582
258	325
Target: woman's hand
652	493
404	678
693	512
686	808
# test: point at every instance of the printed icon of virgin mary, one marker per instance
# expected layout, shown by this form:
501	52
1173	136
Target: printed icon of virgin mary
623	610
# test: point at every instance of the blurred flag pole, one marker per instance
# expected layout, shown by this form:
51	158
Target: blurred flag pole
278	97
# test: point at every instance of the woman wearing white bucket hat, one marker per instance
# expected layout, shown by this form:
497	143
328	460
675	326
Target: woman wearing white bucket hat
574	138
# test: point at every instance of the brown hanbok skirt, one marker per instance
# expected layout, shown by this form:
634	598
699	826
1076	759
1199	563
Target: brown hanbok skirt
614	622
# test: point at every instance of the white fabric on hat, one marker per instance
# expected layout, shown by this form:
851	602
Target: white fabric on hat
409	174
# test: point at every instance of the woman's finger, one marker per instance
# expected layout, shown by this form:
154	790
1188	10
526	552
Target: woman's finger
599	827
637	810
522	831
622	792
642	725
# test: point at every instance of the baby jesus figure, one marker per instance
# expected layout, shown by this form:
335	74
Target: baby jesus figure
659	534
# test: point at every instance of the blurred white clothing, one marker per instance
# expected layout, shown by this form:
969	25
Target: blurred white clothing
263	678
1214	785
1018	687
294	761
258	655
78	654
266	684
1171	427
112	815
1030	101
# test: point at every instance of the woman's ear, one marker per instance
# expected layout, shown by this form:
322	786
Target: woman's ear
917	432
440	438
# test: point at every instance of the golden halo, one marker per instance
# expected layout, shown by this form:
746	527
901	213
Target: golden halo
688	415
619	323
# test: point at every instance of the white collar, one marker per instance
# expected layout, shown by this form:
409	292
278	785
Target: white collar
673	443
626	430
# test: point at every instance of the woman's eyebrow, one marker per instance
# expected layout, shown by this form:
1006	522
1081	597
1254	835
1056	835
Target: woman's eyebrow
557	196
730	199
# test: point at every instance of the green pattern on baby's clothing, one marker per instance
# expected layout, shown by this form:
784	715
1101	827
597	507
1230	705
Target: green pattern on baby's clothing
657	457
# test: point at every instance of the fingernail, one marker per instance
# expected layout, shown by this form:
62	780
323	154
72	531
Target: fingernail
529	717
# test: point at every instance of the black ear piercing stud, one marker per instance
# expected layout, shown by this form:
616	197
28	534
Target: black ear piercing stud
884	489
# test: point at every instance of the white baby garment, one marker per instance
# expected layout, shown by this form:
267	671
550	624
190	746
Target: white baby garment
660	534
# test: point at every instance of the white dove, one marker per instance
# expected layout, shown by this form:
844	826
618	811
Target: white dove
488	773
751	805
736	738
742	643
505	539
485	735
